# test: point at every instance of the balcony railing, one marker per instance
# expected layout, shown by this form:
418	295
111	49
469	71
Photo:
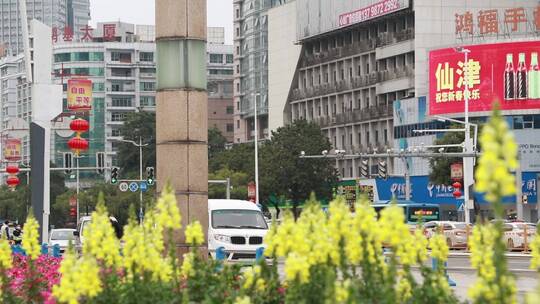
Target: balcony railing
331	88
337	53
388	38
356	115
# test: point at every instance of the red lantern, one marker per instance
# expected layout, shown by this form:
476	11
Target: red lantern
457	194
12	181
79	125
456	185
12	169
78	144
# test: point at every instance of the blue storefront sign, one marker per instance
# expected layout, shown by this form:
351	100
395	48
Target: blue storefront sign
423	191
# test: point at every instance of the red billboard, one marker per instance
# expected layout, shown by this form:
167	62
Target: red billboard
503	72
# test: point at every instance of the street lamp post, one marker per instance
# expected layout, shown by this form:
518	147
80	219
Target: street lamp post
467	162
256	129
140	145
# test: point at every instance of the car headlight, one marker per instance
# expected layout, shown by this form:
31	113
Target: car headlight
222	238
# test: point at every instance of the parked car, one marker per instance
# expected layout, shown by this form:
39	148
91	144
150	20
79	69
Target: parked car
84	223
454	232
514	234
237	226
63	238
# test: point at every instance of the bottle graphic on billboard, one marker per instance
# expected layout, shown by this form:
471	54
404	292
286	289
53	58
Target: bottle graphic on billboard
509	76
521	78
534	78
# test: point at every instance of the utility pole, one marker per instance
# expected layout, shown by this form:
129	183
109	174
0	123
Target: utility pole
467	147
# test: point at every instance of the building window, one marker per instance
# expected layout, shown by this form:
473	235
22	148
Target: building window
118	116
146	56
229	58
238	124
148	101
216	58
220	72
116	132
385	135
230	110
148	86
97	87
121	57
230	128
121	102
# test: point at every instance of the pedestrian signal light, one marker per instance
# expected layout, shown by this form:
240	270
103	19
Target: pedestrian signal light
150	179
73	211
114	175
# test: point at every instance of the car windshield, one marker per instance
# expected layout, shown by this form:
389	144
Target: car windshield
460	226
238	219
62	235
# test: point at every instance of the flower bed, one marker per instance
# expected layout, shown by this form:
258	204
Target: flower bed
329	258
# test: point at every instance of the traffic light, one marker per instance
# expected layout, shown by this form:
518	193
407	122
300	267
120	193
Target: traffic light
150	179
114	175
364	163
73	212
68	162
383	172
100	162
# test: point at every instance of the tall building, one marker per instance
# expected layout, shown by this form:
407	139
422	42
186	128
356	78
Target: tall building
215	35
123	78
78	14
220	88
375	80
11	73
251	66
50	12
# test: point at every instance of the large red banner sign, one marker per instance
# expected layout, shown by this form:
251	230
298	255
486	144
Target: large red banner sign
504	72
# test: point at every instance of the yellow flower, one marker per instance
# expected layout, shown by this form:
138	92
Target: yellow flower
194	234
296	267
5	255
187	269
100	239
535	248
342	291
499	158
30	242
439	248
488	284
404	290
167	212
80	279
142	252
260	285
242	300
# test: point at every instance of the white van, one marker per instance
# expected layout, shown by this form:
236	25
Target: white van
237	226
84	223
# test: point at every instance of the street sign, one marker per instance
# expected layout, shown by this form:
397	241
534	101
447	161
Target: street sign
461	207
123	186
143	186
456	171
133	187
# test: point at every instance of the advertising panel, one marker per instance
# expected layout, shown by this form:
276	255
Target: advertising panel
12	149
504	72
373	11
79	95
424	191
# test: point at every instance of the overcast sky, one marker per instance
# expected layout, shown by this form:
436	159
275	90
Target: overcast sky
142	12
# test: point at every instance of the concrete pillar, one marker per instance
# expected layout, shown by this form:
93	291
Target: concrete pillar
182	102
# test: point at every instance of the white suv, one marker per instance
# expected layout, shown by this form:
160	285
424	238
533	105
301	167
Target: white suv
237	226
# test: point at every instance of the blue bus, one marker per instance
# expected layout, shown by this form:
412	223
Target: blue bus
414	212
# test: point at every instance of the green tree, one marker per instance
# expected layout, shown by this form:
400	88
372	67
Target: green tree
440	166
240	158
216	142
137	125
284	174
239	181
